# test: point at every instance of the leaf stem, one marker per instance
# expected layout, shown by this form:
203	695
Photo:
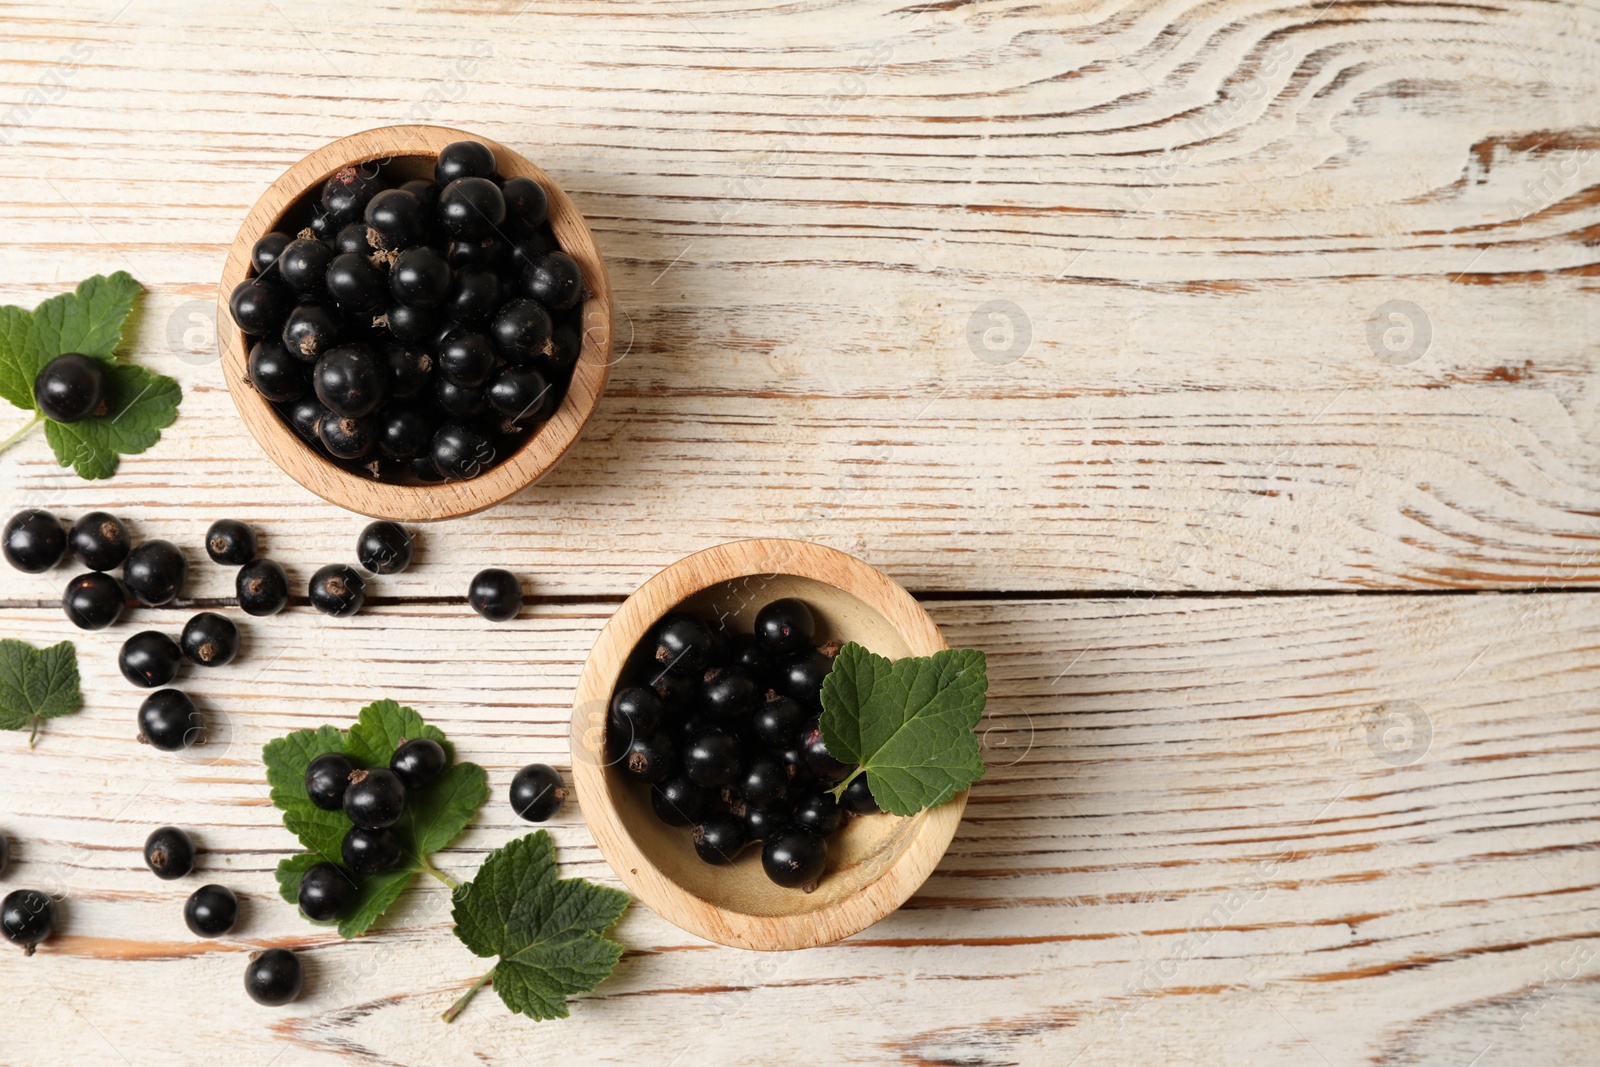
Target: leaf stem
27	428
455	1009
33	737
838	790
437	873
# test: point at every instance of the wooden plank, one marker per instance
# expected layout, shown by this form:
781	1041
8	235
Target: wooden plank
1197	213
1198	842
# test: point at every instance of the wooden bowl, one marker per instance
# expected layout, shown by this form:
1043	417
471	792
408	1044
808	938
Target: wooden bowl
409	152
874	864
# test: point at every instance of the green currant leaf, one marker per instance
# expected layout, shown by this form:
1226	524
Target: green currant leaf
434	817
37	684
548	932
909	724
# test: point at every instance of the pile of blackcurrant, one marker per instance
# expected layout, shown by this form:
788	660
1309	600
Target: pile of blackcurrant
724	729
153	571
417	330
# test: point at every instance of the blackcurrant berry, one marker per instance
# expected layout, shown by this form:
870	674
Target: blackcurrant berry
353	238
345	195
94	600
458	400
423	469
337	590
650	758
258	307
349	380
412	326
265	252
231	542
777	721
310	330
678	801
818	812
27	918
521	330
35	541
404	432
635	712
385	547
786	626
395	220
426	191
794	857
276	374
155	572
305	416
322	225
274	977
375	798
371	851
683	642
99	541
169	853
347	438
409	370
492	252
209	640
728	694
747	654
471	208
712	759
526	248
857	796
420	277
526	201
801	677
304	265
262	588
327	778
355	284
463	159
815	752
719	837
467	359
327	893
761	823
521	394
474	295
764	782
211	911
677	691
566	344
69	387
149	659
495	594
169	721
537	792
555	281
459	451
419	762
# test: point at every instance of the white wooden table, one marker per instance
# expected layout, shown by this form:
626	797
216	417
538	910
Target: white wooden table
1225	371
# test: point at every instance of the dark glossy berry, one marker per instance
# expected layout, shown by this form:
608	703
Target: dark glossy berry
678	801
310	330
149	659
815	752
420	277
385	547
467	359
327	778
209	639
347	438
94	600
794	857
27	918
425	190
728	694
423	469
35	541
719	837
99	541
168	720
650	758
371	851
322	225
353	238
521	394
801	677
678	692
495	594
355	284
460	401
70	387
746	653
262	588
419	762
274	977
711	759
555	281
327	893
471	208
526	201
375	798
169	853
265	252
337	590
258	308
345	195
412	326
395	219
304	264
463	159
857	796
349	381
211	911
231	542
566	344
683	642
761	823
764	782
818	812
777	722
492	252
155	572
786	626
275	374
537	792
409	370
526	248
521	330
404	432
460	451
305	416
474	294
635	712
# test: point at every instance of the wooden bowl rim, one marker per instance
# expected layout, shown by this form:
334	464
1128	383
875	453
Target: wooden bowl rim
416	503
689	911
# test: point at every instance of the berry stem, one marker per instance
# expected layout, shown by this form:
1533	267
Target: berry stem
27	428
437	873
838	790
455	1009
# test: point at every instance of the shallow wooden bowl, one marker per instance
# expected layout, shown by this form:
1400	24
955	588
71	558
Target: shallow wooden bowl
408	152
874	864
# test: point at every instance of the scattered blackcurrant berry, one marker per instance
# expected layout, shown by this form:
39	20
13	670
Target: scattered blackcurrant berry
327	778
211	911
262	588
231	542
274	977
99	541
94	600
155	572
371	851
712	759
537	792
495	594
327	893
786	626
35	541
419	762
678	800
27	918
650	758
337	590
169	853
168	720
857	796
375	799
719	837
149	659
794	857
385	547
209	639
